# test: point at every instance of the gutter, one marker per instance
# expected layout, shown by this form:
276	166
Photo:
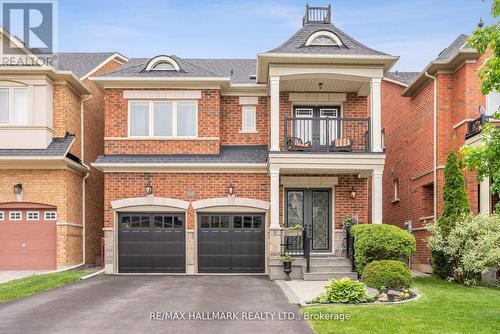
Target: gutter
434	167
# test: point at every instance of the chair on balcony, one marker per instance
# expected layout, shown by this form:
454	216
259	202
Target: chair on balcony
341	145
296	144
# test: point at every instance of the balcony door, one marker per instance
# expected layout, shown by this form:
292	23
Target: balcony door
311	208
317	124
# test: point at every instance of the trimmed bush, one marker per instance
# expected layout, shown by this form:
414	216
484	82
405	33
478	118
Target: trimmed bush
391	274
381	242
344	291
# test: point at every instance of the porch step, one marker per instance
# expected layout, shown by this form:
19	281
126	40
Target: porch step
329	261
319	276
330	268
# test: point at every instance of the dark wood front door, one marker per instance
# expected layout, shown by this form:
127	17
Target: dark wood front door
311	208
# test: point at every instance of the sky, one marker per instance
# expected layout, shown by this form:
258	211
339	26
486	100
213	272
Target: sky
415	30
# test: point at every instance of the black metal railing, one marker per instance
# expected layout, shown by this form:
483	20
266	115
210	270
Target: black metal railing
315	15
349	236
475	126
325	134
298	245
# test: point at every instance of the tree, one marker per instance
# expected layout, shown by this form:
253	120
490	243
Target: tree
485	159
455	207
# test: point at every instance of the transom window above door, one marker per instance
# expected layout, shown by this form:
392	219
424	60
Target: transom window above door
163	119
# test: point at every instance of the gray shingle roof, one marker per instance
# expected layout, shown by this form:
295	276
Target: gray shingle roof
404	77
456	45
81	63
296	43
57	148
211	68
248	154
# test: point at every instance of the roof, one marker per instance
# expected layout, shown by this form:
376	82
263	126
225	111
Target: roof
193	68
403	77
350	46
57	148
245	154
81	63
453	48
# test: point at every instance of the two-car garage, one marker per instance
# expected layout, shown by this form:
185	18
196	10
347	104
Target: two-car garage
150	242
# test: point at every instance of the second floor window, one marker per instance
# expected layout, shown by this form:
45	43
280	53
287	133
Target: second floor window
248	119
163	118
13	105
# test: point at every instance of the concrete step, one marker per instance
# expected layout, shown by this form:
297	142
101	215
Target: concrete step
328	276
330	261
330	268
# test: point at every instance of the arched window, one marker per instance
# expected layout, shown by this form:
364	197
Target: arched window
323	38
162	63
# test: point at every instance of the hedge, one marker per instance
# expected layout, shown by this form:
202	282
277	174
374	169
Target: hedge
390	274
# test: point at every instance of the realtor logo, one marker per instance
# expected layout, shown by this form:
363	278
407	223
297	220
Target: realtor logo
33	23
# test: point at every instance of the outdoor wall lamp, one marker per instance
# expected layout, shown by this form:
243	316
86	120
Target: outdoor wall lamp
149	189
352	193
230	189
18	189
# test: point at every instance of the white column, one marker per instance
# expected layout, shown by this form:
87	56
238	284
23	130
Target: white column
275	113
377	197
275	198
485	197
376	114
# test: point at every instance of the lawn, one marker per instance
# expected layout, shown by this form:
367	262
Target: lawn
443	308
37	283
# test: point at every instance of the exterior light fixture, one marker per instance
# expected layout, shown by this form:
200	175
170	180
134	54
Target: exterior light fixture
320	86
230	189
352	193
18	189
149	189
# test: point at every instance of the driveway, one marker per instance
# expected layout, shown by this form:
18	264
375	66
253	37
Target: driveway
9	275
124	304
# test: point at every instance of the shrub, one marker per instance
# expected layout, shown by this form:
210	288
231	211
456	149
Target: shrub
472	245
381	242
391	274
344	291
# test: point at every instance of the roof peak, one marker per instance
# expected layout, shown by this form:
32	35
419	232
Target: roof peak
317	15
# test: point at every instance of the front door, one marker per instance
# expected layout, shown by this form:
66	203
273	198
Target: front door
311	208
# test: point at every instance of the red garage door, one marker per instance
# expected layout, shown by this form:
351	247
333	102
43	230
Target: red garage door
27	236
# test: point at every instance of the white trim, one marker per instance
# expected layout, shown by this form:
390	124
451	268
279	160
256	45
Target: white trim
161	59
309	181
253	128
122	59
37	213
325	33
162	94
162	138
397	82
231	201
69	224
465	120
150	200
248	100
50	212
317	97
16	212
201	79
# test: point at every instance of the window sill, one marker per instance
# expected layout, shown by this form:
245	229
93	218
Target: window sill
426	218
249	132
396	200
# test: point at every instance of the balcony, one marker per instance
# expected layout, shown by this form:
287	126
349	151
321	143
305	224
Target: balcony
475	126
327	134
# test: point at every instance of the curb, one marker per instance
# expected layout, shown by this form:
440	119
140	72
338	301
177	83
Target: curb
91	275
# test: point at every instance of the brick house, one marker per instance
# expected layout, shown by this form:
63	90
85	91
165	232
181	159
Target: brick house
205	160
426	115
51	130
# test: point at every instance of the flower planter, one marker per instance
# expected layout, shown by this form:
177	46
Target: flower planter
293	233
287	268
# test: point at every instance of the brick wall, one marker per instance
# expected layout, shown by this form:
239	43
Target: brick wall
231	122
66	115
116	126
184	186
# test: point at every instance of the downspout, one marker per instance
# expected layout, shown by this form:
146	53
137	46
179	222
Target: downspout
434	167
82	154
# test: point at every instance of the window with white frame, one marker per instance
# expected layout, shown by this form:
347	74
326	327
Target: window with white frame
50	215
396	190
33	215
248	119
13	105
492	103
1	215
15	215
163	118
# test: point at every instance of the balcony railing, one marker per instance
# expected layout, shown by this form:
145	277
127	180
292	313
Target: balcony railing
475	126
327	134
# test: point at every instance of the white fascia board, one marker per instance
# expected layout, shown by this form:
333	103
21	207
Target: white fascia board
120	59
181	167
328	161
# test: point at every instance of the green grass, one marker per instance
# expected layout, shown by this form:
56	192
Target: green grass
443	308
37	283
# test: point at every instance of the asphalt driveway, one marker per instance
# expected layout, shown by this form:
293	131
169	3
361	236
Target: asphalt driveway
180	304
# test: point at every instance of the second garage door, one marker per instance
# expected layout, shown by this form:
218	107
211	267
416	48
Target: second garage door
231	243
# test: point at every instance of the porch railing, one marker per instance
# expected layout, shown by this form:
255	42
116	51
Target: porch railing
298	245
327	134
475	126
350	247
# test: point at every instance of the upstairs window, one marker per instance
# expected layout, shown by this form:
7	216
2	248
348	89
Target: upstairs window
13	105
323	38
163	119
248	118
163	66
162	63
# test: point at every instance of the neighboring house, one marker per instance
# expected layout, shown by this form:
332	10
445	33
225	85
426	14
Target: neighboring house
207	159
417	144
51	201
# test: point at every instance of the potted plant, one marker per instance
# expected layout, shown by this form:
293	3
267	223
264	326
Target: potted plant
287	265
294	230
